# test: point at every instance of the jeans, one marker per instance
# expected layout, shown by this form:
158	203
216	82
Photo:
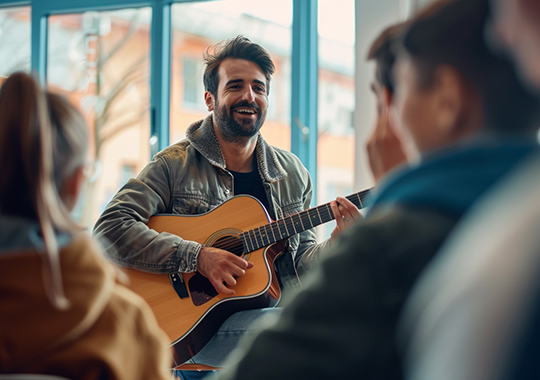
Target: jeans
236	327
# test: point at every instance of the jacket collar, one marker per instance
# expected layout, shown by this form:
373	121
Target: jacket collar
451	180
203	138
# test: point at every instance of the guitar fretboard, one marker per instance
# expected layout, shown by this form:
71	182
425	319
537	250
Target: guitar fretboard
294	224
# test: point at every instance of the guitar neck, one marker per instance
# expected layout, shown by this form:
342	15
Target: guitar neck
294	224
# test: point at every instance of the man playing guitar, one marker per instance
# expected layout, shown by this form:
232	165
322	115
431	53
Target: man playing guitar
223	155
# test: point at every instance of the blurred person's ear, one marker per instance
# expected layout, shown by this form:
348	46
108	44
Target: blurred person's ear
457	107
72	186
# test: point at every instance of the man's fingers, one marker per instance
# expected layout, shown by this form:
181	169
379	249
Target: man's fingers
222	268
237	272
348	209
239	262
337	214
229	280
221	288
347	216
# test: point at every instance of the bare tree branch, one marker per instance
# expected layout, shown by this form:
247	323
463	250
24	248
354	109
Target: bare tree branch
125	125
122	84
133	28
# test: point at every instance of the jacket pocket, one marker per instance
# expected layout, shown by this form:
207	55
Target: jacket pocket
193	204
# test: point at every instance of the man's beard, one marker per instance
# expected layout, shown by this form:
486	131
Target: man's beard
233	131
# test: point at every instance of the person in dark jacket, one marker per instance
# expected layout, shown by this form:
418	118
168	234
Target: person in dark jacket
469	121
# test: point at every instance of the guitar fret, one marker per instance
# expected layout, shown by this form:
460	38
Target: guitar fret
296	219
248	246
301	222
319	215
308	219
356	197
244	243
275	226
253	240
282	226
269	227
329	215
290	222
266	236
260	238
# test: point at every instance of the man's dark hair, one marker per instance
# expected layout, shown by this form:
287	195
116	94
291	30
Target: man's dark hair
383	53
237	48
452	32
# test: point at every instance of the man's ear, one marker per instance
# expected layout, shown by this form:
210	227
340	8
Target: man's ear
449	99
209	100
459	110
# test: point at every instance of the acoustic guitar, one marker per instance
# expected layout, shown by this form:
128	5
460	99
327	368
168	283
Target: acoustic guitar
186	305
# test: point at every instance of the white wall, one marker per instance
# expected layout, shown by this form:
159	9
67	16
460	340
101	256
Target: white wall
372	17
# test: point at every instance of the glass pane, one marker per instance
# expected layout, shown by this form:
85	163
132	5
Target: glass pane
100	60
268	24
14	40
336	98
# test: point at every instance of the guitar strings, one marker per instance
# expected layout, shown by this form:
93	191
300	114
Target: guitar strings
268	234
228	243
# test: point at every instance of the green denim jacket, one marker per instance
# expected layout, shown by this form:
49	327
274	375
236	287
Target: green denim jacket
190	177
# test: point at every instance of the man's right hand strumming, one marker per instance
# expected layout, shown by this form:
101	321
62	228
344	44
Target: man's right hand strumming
222	268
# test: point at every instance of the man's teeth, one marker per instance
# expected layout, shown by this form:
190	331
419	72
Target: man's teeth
245	110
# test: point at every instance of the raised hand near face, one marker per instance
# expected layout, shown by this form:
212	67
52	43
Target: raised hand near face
384	148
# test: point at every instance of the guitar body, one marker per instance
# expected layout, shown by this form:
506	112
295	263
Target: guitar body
191	322
186	305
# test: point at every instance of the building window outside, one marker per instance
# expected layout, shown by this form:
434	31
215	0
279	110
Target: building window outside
336	102
100	61
14	40
268	24
192	73
127	172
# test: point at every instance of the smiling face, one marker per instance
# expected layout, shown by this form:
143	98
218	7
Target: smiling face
241	102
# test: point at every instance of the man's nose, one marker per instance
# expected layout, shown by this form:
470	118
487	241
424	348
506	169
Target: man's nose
249	94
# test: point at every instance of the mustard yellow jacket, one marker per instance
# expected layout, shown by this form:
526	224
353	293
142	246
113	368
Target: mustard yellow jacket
107	333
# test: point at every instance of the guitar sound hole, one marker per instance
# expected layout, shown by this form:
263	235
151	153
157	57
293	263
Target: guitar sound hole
230	243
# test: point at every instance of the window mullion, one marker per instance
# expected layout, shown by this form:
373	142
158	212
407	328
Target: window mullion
304	85
160	70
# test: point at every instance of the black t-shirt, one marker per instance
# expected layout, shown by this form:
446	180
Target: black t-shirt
251	184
